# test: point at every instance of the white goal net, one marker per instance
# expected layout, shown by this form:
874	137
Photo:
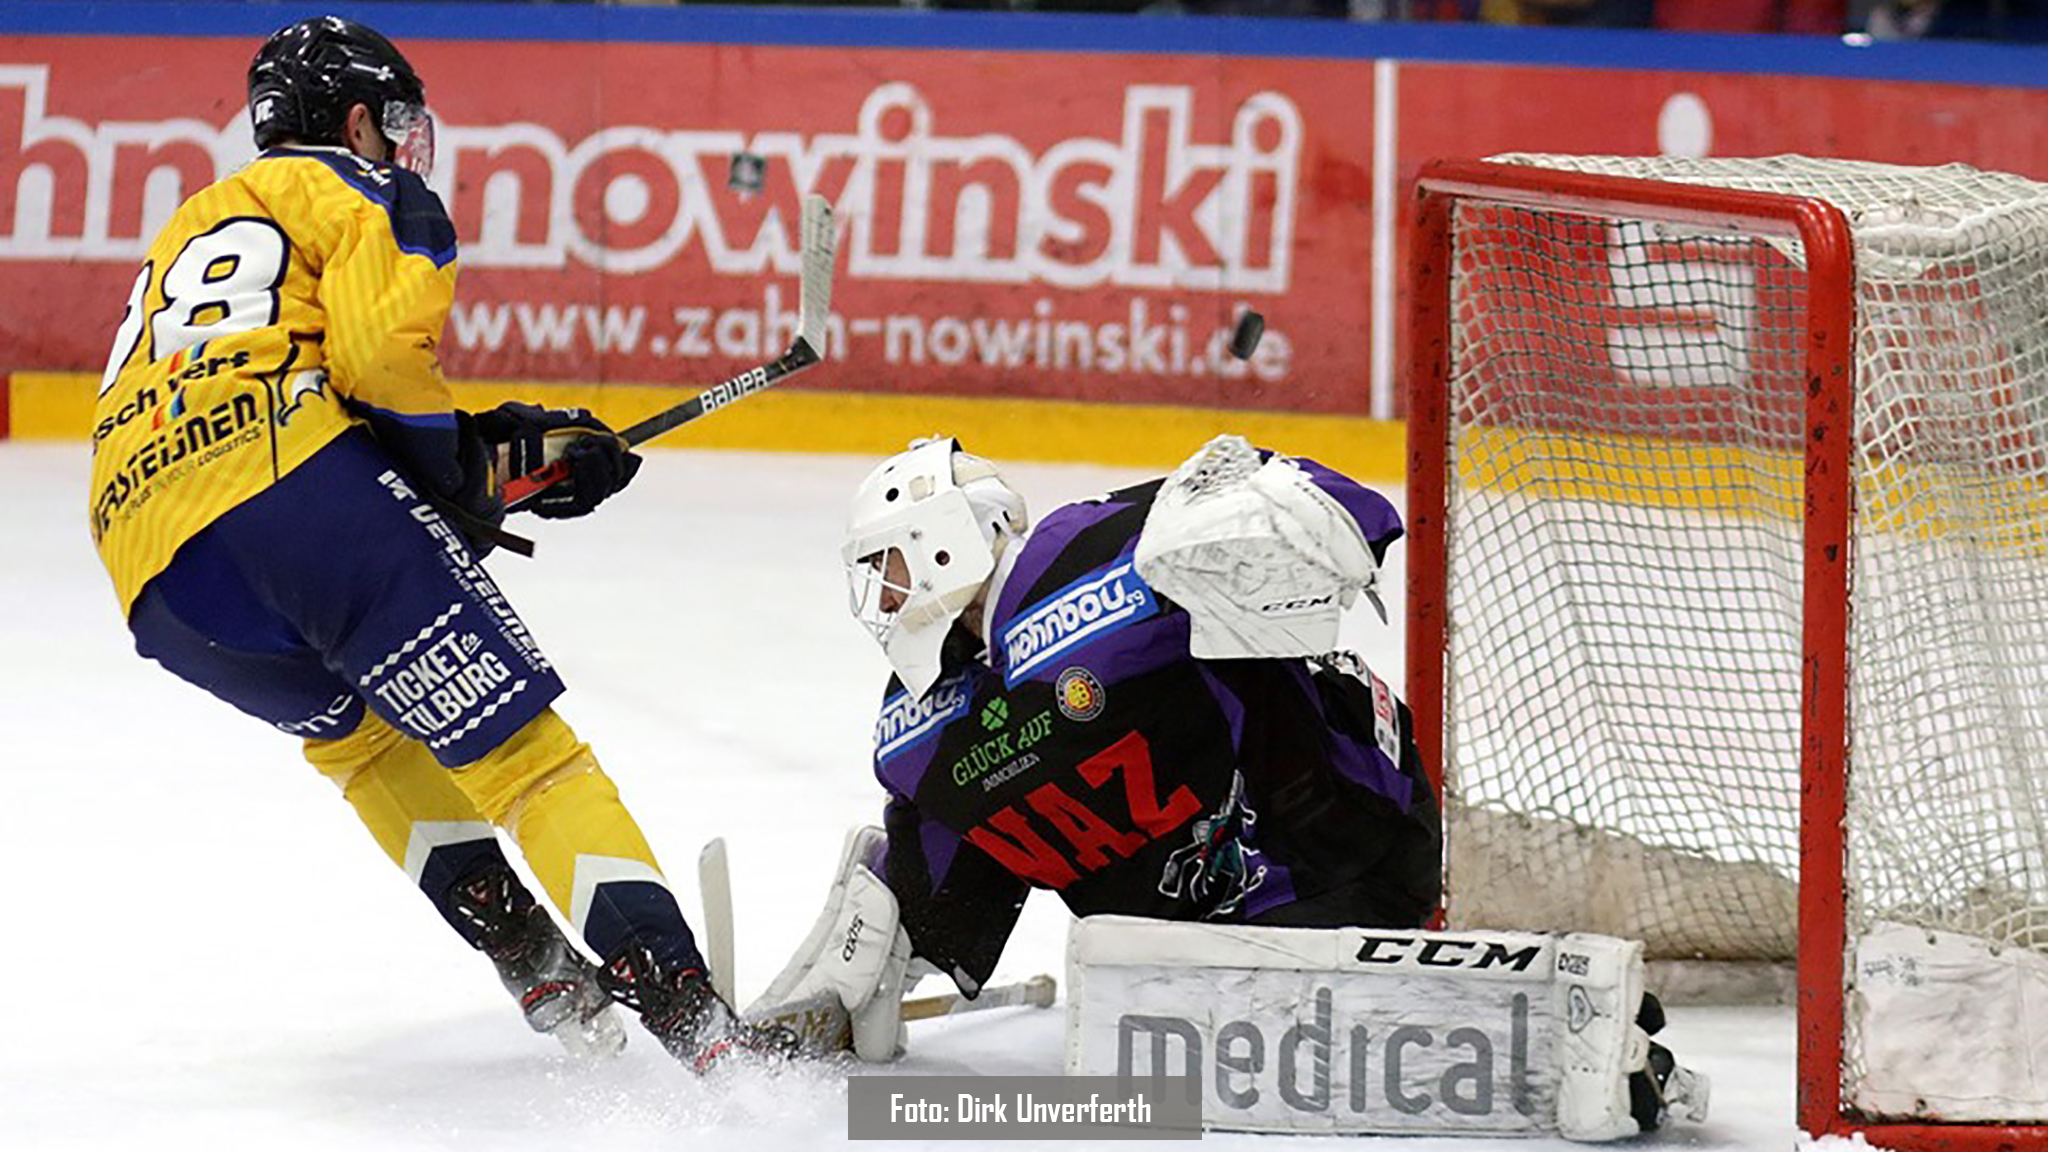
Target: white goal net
1625	508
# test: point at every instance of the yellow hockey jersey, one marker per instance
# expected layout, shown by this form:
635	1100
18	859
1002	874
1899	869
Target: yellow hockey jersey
296	297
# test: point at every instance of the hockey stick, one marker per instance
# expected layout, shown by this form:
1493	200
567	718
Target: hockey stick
822	1022
814	306
1037	992
714	888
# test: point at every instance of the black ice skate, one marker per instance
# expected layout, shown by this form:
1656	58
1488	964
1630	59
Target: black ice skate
559	991
690	1020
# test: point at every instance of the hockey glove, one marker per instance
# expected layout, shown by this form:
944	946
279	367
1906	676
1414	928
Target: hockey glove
1262	559
477	507
529	438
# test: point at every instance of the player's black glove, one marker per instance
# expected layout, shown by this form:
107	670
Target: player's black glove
477	507
530	438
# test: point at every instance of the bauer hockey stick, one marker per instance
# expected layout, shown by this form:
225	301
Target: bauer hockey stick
814	306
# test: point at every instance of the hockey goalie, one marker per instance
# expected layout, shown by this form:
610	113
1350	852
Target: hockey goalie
1136	703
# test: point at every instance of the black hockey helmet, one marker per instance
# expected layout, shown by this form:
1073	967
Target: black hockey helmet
307	76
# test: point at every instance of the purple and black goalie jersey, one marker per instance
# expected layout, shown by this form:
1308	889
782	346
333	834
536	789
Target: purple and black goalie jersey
1088	752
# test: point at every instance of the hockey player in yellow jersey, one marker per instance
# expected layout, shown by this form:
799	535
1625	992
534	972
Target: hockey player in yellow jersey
293	512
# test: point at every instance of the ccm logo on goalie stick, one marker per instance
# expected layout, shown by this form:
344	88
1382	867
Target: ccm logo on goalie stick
1448	952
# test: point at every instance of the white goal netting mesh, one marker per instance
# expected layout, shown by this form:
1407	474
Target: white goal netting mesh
1625	523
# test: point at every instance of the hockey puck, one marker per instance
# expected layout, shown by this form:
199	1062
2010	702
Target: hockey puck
1244	339
746	173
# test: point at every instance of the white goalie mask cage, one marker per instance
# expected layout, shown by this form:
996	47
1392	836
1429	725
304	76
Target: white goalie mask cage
948	515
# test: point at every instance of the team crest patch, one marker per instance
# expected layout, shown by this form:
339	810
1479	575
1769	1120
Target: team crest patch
312	382
1219	866
1079	694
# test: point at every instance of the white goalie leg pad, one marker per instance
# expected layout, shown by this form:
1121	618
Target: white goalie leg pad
1262	558
845	983
1356	1030
1599	990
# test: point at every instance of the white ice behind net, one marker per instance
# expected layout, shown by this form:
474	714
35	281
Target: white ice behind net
1627	421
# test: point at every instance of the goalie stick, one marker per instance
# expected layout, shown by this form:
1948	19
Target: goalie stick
714	883
814	306
714	888
1037	992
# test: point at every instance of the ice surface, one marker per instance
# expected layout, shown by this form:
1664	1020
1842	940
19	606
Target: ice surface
206	951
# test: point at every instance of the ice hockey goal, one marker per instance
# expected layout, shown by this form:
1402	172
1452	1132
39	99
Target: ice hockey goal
1729	512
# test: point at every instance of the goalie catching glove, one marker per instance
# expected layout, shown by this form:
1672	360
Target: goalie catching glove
1263	560
844	987
529	438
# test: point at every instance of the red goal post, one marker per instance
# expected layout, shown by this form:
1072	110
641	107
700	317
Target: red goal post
1826	326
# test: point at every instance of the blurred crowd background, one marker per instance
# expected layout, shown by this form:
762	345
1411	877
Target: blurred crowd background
2009	21
2019	21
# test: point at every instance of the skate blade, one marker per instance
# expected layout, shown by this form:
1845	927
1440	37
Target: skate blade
1686	1094
594	1038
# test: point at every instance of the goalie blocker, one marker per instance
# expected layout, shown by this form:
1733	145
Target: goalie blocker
1356	1030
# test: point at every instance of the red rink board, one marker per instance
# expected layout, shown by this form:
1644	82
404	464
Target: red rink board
1079	225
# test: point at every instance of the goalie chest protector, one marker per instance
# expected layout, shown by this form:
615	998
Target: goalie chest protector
1093	755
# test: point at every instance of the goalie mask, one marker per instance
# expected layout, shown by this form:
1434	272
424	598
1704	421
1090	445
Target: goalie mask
927	528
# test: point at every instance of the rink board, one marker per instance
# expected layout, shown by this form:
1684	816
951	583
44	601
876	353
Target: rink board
1082	242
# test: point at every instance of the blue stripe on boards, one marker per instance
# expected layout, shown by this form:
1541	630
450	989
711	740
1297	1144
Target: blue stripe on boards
1945	62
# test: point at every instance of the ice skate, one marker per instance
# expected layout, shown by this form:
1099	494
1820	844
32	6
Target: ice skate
558	990
686	1015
